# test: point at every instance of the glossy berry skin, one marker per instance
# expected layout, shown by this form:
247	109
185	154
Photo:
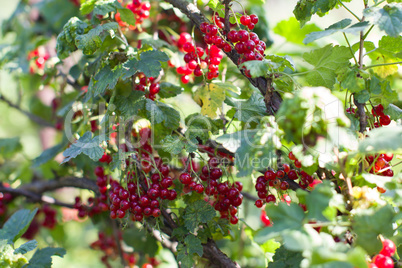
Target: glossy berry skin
292	156
245	20
383	261
254	18
259	203
185	178
270	175
271	198
388	248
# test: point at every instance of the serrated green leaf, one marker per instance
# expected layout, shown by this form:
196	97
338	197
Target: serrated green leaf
291	30
369	223
284	217
173	144
132	104
43	257
340	26
47	155
149	64
10	146
389	46
87	7
194	245
158	112
388	18
382	140
17	224
92	40
103	7
196	213
106	78
85	145
199	127
66	39
326	62
210	97
168	90
306	8
127	16
284	258
26	247
250	110
185	259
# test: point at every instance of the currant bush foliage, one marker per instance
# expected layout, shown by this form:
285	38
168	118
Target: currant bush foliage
169	112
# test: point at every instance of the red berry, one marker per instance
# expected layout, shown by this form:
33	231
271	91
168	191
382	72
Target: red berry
203	27
270	175
383	261
227	47
385	120
242	35
254	18
280	174
388	156
232	36
120	213
259	203
188	47
245	20
378	110
199	188
388	248
292	156
284	185
270	198
234	220
156	212
251	26
185	178
298	164
185	79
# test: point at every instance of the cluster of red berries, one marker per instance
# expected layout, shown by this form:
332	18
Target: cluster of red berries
380	164
148	83
227	196
48	221
40	58
197	59
140	11
384	260
378	112
95	205
108	245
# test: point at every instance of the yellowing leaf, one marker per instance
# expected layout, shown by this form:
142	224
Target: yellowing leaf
210	97
384	71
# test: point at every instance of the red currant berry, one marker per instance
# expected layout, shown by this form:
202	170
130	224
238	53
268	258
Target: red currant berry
270	175
383	261
388	248
245	20
385	120
270	198
259	203
254	18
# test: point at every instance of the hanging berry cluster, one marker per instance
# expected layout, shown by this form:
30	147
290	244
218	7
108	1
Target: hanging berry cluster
149	84
197	60
379	164
383	119
226	196
383	259
140	11
110	249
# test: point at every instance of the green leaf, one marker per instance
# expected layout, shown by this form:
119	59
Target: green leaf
382	140
149	64
340	26
196	213
291	30
388	18
323	202
43	257
66	39
17	224
194	245
87	7
127	16
284	217
106	78
173	144
10	146
326	62
394	111
158	112
210	97
284	258
168	90
270	64
389	46
214	4
92	40
85	145
26	247
185	259
132	104
369	223
47	155
306	8
103	7
250	110
199	126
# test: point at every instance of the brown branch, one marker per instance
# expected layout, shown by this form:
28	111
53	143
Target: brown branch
33	117
227	10
361	114
34	197
216	257
39	187
264	85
